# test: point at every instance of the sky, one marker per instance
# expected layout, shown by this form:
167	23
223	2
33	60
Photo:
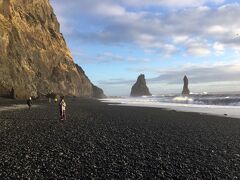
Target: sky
116	40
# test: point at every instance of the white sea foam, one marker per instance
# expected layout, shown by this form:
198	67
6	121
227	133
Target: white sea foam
182	99
219	110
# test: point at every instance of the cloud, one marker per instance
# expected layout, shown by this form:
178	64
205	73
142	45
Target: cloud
108	56
198	50
104	57
205	74
112	22
219	48
216	30
171	3
116	82
61	4
196	75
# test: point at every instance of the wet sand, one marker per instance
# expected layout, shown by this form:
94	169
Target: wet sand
105	142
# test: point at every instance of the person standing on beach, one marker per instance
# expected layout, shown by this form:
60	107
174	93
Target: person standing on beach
62	109
29	103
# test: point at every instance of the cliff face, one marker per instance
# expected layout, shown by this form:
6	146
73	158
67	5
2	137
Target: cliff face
140	88
98	92
185	90
34	58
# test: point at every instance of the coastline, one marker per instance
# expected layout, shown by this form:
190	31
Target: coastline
102	141
212	110
15	107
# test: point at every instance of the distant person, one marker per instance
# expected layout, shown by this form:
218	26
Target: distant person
62	109
29	103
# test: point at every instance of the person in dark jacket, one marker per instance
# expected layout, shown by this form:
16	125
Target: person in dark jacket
29	103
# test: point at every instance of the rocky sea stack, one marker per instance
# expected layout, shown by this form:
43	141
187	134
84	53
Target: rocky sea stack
140	88
34	57
185	90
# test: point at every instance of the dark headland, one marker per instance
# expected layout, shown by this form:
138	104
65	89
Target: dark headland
112	142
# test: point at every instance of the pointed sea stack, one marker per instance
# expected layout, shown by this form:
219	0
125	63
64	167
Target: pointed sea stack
185	90
140	88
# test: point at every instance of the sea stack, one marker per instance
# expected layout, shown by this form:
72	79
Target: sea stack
140	88
185	90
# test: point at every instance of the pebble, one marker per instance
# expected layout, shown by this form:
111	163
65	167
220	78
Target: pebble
105	142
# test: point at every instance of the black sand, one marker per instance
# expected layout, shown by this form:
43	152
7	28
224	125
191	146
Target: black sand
105	142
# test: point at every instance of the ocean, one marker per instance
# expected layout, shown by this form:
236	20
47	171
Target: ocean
224	104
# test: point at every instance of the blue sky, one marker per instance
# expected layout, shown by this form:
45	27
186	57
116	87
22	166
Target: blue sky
115	41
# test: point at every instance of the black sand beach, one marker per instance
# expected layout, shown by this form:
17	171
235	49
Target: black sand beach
104	142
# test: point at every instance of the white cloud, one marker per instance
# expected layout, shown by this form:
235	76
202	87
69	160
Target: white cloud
180	39
196	47
172	3
169	49
217	30
194	29
198	51
85	57
219	48
109	10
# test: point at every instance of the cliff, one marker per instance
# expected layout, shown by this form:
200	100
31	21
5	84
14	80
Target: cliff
140	88
34	58
98	92
185	90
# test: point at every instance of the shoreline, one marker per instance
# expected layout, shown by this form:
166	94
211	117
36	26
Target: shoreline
212	110
15	107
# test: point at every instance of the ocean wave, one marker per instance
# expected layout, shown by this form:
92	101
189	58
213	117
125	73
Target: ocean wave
201	93
182	99
197	99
